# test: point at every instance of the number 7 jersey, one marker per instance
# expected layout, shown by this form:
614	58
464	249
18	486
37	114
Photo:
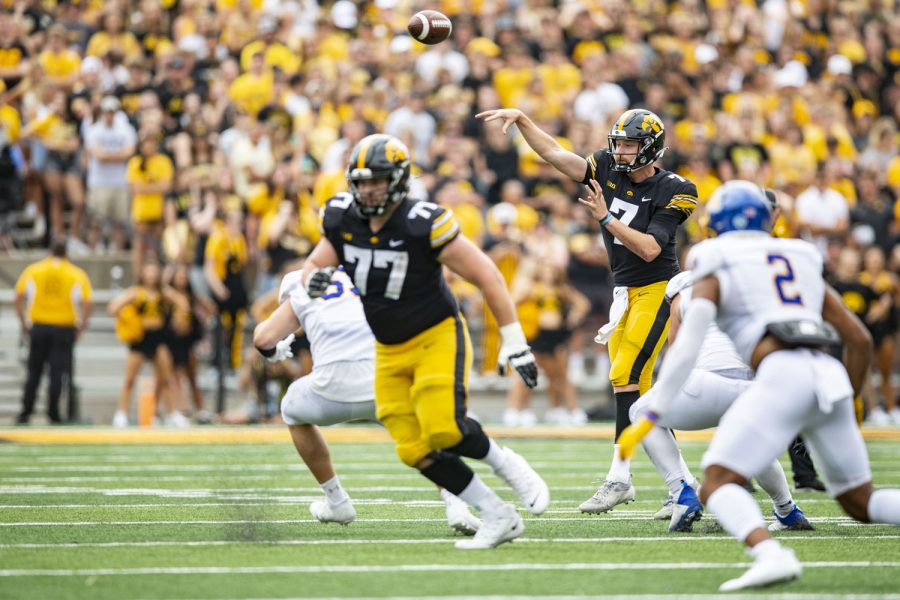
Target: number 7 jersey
762	280
396	269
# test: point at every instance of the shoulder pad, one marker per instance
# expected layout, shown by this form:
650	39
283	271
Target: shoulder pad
705	259
291	282
334	210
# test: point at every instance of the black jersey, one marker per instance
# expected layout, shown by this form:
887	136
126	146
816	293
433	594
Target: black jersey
655	206
396	270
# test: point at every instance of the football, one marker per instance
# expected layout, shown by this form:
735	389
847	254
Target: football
430	27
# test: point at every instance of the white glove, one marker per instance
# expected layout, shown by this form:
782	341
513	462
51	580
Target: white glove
515	351
283	350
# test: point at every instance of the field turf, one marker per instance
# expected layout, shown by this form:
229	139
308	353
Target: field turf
187	520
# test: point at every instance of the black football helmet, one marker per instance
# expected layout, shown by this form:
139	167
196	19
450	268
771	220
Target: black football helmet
643	126
379	156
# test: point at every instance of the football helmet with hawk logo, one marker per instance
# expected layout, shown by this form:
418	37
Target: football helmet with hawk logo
379	157
644	127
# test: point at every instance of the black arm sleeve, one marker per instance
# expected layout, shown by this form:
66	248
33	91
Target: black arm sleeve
663	225
267	352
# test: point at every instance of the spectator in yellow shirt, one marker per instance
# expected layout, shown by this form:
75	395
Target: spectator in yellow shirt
225	259
61	66
254	89
112	37
150	175
275	54
50	294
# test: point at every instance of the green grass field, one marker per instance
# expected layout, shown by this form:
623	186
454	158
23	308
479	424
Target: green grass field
231	521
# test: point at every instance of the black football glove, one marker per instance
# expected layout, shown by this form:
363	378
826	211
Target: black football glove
514	350
318	281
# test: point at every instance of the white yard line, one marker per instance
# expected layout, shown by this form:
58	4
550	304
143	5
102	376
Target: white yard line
444	540
730	596
291	569
581	519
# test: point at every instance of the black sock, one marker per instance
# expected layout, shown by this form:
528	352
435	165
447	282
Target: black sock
624	401
448	472
475	444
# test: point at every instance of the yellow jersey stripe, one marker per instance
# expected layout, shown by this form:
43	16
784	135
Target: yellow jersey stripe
437	232
684	197
441	220
446	237
592	163
364	149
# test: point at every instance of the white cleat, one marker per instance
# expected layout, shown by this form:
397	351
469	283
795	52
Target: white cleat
525	482
665	512
505	526
610	494
459	518
776	566
176	419
342	513
120	420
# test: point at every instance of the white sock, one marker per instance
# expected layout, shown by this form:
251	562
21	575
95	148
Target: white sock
483	498
334	492
496	457
764	547
736	511
688	475
619	470
884	507
772	480
666	457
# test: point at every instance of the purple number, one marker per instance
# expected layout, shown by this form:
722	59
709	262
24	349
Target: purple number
785	277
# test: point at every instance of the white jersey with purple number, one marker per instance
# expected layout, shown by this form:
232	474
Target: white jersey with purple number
762	280
335	323
717	352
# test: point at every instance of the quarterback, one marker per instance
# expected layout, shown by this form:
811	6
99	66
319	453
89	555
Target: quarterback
640	207
394	249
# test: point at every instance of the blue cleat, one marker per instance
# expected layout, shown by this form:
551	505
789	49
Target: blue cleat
686	510
794	521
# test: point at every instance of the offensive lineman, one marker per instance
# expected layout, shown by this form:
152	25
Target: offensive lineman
338	390
642	209
394	249
768	296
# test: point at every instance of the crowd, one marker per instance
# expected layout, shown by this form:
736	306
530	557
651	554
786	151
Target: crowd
205	134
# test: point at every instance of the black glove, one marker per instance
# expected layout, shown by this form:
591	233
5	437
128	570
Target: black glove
523	363
318	282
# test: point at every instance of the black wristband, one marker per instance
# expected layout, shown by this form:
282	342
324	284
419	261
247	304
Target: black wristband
267	352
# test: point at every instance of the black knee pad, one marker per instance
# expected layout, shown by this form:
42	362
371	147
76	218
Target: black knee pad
448	471
474	444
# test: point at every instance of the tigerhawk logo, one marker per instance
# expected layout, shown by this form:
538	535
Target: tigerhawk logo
395	152
650	123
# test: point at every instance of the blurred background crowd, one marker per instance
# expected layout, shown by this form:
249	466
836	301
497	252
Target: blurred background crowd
204	135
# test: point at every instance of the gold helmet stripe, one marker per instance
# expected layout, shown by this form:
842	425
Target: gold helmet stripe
363	151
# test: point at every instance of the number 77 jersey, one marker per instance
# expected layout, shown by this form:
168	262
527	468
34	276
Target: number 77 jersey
395	269
762	280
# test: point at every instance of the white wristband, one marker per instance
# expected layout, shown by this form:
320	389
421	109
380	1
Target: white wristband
512	333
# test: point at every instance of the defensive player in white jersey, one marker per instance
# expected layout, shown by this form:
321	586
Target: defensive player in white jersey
339	389
768	296
717	379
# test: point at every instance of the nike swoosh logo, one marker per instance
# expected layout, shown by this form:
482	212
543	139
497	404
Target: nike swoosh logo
646	199
395	243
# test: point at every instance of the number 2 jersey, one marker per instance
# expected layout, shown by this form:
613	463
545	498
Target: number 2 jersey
396	269
656	206
762	280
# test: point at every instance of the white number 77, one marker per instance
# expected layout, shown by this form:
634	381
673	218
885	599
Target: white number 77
628	212
399	261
